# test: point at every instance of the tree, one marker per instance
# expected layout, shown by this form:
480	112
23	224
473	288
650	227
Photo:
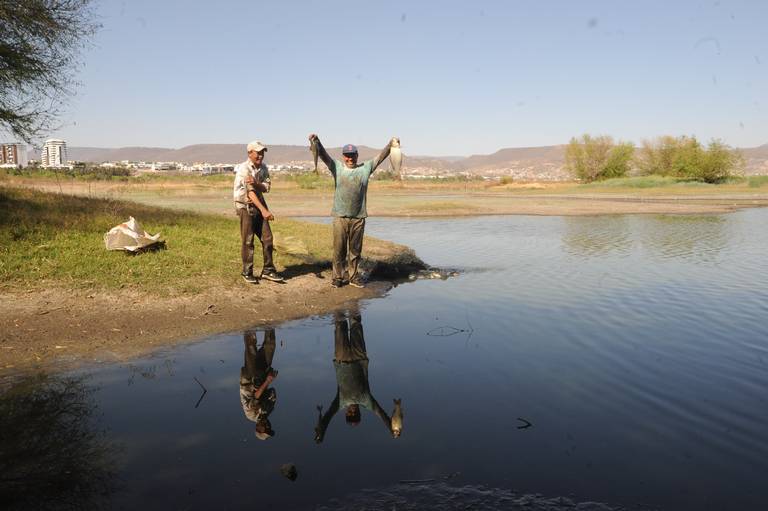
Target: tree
685	158
720	163
594	158
40	42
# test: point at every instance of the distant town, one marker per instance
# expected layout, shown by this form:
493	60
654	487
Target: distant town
54	155
514	164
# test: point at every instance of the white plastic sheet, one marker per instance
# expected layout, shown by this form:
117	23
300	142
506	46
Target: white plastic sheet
131	236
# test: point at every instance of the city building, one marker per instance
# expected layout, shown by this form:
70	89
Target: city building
13	155
54	153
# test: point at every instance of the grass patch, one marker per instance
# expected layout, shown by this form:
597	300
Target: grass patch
634	182
757	181
52	239
653	181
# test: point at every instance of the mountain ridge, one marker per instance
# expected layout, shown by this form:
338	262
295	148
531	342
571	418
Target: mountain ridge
519	162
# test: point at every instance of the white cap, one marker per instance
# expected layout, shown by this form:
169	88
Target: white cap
256	145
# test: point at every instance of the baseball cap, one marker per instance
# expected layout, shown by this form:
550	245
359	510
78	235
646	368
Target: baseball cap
349	149
267	433
256	145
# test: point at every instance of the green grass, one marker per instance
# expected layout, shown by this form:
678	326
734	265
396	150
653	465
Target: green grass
757	181
652	181
51	239
634	182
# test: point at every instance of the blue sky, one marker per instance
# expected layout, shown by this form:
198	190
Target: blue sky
448	77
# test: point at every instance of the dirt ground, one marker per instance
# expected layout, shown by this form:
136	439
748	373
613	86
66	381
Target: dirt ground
59	328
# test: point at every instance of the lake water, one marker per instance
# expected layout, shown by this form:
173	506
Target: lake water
620	362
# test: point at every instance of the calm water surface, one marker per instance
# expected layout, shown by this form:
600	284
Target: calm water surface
636	347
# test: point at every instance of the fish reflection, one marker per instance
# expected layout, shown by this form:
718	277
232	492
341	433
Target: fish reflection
397	418
353	389
256	396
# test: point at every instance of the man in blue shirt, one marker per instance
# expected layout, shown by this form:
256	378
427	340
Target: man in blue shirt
349	212
352	387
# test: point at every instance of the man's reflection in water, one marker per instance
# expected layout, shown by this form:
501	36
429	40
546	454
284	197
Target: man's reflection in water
351	363
256	396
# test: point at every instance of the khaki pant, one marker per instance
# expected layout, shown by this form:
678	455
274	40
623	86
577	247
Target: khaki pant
250	226
347	245
257	360
349	343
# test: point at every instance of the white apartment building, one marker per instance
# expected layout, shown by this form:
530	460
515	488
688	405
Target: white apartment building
13	154
54	153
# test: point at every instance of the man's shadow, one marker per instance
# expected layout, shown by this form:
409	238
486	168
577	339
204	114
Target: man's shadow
305	268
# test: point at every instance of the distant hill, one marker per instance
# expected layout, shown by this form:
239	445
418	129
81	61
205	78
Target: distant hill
199	153
756	160
524	163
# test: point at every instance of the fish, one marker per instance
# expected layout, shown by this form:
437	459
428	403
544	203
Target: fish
397	419
315	152
395	156
319	426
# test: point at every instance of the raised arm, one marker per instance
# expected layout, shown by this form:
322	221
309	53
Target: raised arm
325	420
383	155
323	153
382	414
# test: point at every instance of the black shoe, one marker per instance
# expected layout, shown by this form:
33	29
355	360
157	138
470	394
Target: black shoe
357	282
337	283
272	275
249	278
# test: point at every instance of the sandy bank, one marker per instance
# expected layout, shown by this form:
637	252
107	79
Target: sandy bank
60	328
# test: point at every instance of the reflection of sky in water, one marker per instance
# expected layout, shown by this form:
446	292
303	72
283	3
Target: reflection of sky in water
635	345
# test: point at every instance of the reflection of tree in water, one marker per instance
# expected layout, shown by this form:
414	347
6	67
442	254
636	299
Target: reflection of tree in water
693	238
597	236
50	455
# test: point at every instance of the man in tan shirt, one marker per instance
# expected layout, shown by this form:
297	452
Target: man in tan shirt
251	183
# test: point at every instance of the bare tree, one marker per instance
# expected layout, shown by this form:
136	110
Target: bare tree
40	43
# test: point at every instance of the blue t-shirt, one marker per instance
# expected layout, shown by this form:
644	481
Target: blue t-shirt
351	189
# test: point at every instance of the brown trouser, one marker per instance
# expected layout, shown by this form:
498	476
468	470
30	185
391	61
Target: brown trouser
349	343
347	239
251	225
257	360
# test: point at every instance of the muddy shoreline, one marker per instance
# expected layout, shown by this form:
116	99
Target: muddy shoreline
60	329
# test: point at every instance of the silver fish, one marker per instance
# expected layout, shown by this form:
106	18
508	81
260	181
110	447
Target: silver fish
397	419
319	426
313	148
395	156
